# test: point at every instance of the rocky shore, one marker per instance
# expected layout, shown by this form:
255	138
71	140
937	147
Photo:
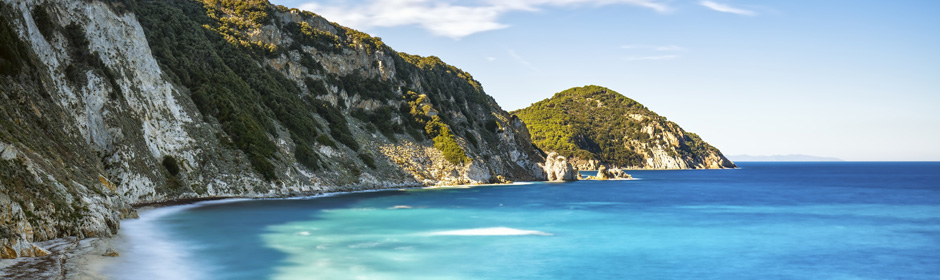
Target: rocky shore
67	258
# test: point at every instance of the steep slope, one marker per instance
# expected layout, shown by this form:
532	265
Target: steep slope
108	104
594	125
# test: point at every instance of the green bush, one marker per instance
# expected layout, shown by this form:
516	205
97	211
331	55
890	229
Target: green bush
316	88
13	51
326	141
43	21
306	156
492	126
367	159
451	150
339	128
371	88
470	138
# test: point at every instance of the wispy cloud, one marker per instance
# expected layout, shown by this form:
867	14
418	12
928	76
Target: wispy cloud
521	60
726	8
653	52
449	19
662	48
655	57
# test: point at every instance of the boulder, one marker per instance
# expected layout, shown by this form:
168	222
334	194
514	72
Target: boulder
13	248
111	253
558	168
602	173
607	174
618	173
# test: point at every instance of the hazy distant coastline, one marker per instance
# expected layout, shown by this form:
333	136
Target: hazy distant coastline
781	158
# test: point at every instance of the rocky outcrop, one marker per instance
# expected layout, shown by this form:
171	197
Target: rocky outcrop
609	174
15	248
617	173
602	173
584	164
558	168
108	104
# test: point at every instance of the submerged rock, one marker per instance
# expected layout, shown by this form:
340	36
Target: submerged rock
110	253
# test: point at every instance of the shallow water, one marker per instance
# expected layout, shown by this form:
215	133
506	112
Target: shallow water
765	220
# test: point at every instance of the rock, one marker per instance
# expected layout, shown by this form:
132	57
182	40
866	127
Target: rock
582	164
602	173
478	173
607	174
110	253
558	168
13	248
7	252
618	173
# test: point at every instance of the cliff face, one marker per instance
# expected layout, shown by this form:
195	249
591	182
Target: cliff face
106	104
594	125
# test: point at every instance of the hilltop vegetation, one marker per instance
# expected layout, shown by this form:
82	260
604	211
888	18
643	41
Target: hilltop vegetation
596	123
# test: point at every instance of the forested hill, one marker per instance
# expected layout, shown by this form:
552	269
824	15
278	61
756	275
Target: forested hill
594	125
109	103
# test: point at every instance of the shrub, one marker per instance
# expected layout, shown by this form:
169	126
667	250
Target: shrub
470	138
367	159
326	141
316	88
171	166
306	156
491	126
43	21
451	150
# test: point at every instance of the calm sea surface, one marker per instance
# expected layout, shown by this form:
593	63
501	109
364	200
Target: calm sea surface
762	221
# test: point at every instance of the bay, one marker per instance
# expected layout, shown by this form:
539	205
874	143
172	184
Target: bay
843	220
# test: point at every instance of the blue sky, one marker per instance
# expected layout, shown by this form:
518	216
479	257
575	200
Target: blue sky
857	80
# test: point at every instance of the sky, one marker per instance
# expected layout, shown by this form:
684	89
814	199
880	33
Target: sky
856	80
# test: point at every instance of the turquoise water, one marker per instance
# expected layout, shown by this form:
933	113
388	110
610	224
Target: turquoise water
763	221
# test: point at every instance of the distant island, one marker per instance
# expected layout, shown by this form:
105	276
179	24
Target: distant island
782	158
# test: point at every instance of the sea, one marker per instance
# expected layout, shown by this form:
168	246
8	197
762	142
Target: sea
831	220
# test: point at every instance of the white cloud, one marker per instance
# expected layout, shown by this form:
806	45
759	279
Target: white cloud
726	8
657	57
447	18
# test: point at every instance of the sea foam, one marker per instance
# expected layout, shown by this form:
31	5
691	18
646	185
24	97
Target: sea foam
151	250
491	231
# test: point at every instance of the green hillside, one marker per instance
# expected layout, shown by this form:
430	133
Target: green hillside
596	123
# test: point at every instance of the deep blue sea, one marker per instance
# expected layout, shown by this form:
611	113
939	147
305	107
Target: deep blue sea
762	221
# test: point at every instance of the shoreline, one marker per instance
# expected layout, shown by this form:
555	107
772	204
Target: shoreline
84	259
